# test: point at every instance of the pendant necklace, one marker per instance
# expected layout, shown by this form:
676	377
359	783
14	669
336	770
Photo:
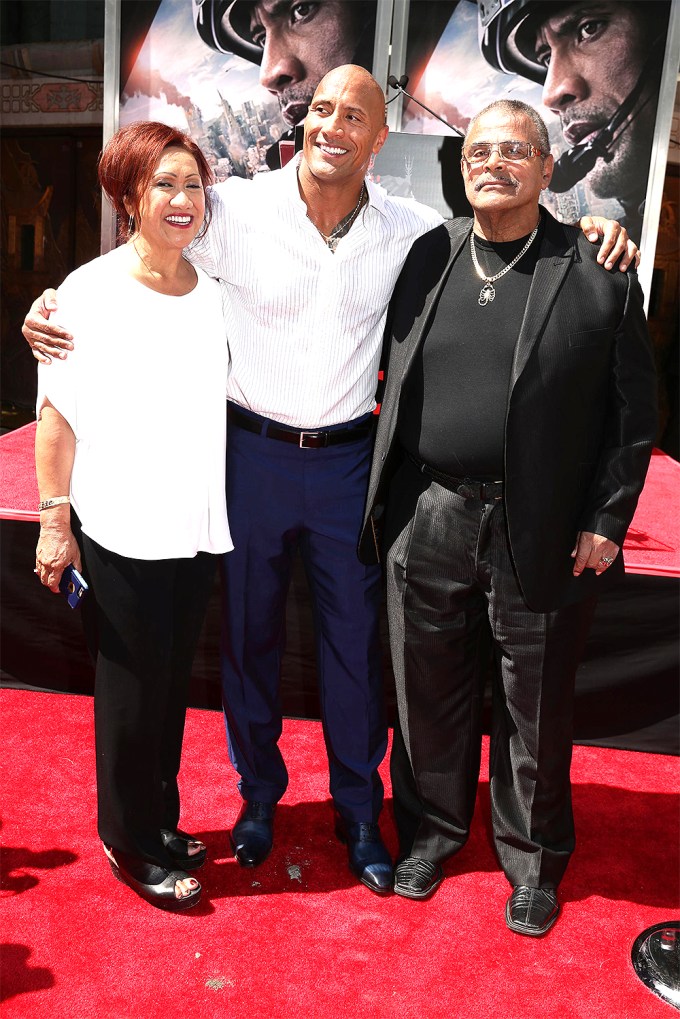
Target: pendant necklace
487	293
333	238
155	276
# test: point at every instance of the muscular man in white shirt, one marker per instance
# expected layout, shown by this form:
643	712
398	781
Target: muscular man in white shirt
310	255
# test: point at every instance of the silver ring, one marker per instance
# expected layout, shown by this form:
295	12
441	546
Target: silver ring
607	560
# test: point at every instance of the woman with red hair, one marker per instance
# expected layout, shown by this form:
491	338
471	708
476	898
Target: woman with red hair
132	490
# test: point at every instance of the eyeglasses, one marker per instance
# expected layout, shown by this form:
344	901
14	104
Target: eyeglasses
512	152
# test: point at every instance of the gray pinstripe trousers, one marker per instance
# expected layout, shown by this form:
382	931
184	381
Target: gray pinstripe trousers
451	594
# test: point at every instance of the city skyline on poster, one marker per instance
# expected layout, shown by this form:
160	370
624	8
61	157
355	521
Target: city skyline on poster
215	97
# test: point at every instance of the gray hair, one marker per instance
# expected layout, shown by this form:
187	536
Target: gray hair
515	108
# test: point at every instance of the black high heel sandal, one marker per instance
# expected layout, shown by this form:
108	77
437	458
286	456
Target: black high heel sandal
161	895
177	845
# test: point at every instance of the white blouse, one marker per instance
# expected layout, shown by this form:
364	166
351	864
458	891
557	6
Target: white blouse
144	392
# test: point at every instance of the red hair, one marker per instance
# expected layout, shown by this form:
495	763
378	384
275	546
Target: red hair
129	160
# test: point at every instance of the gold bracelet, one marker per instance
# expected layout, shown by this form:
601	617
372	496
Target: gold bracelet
59	500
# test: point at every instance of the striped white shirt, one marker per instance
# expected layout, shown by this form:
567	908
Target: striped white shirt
305	325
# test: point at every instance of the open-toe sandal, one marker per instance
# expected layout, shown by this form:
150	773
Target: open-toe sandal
177	846
162	895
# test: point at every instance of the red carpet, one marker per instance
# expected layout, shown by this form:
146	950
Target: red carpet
652	545
297	938
18	485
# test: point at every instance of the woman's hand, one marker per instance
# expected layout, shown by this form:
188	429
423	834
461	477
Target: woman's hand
55	445
56	549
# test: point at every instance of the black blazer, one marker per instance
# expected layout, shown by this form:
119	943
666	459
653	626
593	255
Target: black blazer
581	414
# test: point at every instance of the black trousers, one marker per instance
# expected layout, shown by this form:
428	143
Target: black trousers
148	619
451	586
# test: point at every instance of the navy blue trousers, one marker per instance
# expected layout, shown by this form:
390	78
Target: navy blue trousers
282	498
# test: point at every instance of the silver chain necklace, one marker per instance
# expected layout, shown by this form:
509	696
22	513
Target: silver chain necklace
487	293
340	229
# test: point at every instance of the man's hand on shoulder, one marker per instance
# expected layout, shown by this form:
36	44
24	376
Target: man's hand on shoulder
45	339
616	244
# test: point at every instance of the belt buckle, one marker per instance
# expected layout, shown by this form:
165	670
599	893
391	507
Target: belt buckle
304	436
486	489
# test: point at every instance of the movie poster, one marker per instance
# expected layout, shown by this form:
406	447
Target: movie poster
238	75
591	69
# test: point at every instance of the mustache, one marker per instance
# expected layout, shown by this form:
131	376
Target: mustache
302	94
498	178
591	113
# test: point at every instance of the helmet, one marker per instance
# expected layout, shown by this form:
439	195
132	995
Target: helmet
507	31
222	25
507	34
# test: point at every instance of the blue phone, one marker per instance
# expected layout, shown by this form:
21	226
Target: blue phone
73	586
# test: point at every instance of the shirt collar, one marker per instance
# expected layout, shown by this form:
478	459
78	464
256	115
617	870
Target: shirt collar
376	193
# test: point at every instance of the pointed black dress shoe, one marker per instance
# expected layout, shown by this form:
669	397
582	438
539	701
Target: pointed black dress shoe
252	836
417	879
532	911
369	861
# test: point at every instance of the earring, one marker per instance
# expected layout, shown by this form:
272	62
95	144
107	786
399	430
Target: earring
131	225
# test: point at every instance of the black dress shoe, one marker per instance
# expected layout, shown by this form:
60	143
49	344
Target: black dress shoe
369	861
252	836
417	879
531	911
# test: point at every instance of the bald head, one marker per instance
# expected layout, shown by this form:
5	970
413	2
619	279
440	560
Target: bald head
344	128
362	83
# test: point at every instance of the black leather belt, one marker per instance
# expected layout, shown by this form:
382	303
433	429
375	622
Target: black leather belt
317	439
468	488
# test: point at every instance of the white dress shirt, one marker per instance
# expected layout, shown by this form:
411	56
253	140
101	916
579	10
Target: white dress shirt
305	325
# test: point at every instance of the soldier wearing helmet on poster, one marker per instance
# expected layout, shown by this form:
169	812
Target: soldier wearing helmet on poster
600	66
293	43
296	43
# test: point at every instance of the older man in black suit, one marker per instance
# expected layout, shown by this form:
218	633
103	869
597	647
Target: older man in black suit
516	430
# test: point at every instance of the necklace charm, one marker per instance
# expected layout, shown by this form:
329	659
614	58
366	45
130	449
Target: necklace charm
340	229
486	294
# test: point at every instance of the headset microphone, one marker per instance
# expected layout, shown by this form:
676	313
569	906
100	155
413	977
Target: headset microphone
575	163
578	161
